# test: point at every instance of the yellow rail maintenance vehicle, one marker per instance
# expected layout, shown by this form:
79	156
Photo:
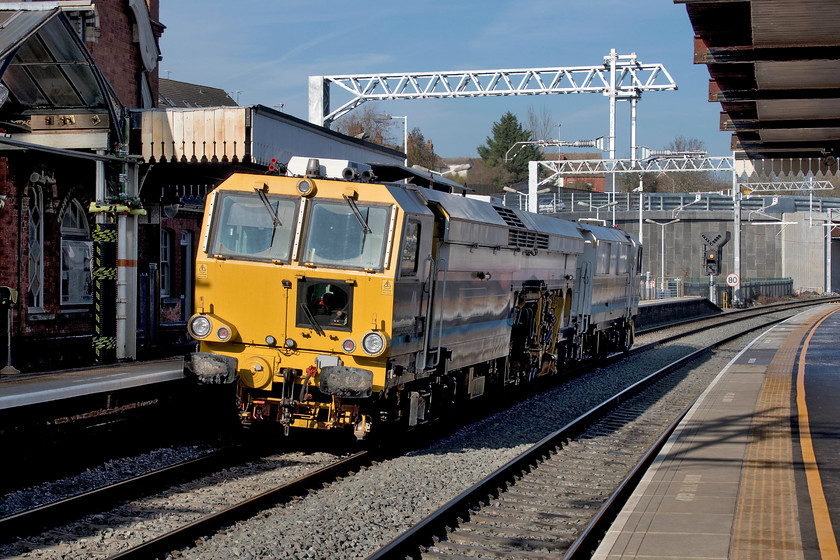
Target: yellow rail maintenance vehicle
334	299
291	279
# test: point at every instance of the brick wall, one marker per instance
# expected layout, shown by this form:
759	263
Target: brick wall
59	328
115	52
9	216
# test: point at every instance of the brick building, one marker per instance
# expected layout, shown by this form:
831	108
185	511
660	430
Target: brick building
70	70
79	109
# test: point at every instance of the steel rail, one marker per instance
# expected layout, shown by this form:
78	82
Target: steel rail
588	540
411	542
595	530
48	515
186	535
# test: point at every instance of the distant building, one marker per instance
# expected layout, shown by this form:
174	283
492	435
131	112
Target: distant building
594	183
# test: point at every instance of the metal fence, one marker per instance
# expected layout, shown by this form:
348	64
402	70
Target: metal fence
622	201
652	288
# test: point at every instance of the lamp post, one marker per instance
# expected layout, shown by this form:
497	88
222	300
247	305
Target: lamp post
597	208
521	195
384	118
662	252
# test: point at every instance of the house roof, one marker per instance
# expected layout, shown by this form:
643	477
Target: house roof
175	94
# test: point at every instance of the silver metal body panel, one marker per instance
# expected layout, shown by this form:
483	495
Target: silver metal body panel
605	295
485	256
476	313
469	217
478	276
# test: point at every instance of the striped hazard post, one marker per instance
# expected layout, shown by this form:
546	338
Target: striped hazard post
105	292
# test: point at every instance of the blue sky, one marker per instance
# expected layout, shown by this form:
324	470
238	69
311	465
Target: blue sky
266	49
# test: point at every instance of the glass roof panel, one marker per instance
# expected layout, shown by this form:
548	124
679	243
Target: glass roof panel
32	51
55	85
18	25
59	42
82	78
49	67
22	87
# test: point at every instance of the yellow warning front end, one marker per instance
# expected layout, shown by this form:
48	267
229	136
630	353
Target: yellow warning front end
294	298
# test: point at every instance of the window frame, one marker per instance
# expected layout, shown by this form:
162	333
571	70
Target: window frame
418	229
387	234
214	243
302	288
35	289
75	238
165	266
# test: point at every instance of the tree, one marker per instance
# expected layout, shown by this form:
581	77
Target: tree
421	151
540	123
507	132
685	182
365	124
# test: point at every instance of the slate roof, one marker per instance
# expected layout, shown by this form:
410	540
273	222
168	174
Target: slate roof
172	93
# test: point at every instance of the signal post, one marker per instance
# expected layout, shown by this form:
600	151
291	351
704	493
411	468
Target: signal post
712	248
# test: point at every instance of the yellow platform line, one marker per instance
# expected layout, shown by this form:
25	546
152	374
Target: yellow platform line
819	507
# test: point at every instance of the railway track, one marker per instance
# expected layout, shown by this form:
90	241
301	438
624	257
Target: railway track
31	521
233	491
221	515
207	524
558	498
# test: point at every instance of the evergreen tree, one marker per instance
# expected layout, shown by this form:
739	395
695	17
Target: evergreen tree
420	151
507	132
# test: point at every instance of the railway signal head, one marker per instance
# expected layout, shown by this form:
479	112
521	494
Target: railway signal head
711	261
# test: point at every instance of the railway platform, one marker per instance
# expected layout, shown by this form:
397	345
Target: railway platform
659	312
27	390
751	471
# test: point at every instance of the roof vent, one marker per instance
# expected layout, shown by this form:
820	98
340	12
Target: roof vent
510	217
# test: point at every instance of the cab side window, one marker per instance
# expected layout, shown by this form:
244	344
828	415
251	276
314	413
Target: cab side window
410	249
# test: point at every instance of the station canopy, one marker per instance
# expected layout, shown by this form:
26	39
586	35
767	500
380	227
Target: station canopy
774	67
47	70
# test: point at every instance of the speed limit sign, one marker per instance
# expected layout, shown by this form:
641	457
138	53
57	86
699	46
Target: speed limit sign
732	279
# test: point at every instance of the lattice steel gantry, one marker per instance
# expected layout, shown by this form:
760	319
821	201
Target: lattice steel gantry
619	77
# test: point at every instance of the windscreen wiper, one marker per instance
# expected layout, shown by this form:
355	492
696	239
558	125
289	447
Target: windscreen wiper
315	326
357	213
273	213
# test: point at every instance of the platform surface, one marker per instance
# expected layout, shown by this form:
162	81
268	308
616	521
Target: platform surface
752	470
27	390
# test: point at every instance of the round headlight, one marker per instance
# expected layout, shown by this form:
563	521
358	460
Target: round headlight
348	345
223	333
305	187
373	343
200	326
